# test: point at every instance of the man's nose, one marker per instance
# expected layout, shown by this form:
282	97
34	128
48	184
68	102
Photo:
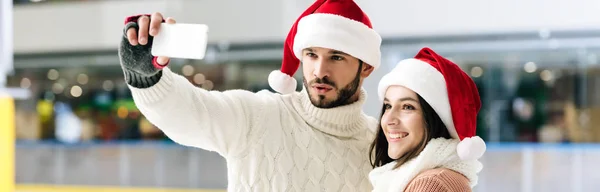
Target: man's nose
321	70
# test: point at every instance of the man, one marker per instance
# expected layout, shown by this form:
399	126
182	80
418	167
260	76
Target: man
314	140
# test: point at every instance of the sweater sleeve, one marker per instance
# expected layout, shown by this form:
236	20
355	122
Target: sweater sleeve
442	181
225	122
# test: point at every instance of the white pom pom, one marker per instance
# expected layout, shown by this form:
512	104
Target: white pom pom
471	148
281	82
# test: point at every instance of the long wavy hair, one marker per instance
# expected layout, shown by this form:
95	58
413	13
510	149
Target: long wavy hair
434	128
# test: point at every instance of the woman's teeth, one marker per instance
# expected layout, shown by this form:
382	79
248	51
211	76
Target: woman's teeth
398	135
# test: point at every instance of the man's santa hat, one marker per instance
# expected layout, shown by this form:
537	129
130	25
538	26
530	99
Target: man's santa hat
450	92
334	24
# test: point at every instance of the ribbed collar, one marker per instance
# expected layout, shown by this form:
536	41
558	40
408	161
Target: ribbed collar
343	121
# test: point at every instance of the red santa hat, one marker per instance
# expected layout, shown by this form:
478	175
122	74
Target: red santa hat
334	24
450	92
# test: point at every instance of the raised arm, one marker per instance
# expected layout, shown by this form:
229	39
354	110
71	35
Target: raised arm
225	122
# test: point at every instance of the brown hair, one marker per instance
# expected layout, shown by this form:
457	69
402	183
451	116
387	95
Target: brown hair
434	128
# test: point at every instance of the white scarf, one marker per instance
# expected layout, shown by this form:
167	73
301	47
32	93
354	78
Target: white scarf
438	153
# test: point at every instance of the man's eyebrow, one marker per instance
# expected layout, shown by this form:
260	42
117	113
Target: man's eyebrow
334	52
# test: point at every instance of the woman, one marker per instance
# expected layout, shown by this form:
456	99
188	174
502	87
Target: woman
426	140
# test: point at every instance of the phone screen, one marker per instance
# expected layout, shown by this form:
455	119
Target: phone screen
187	41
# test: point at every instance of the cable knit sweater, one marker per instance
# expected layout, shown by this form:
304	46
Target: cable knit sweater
271	142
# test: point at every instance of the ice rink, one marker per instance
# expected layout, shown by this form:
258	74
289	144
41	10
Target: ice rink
68	121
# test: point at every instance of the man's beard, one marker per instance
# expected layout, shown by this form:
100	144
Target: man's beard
343	95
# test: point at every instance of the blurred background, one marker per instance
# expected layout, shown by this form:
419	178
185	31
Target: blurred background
535	62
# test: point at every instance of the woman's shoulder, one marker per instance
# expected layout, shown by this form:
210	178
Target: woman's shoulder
439	179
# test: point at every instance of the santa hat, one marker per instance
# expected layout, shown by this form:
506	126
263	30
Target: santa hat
334	24
450	92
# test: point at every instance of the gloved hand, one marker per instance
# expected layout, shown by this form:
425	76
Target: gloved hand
140	67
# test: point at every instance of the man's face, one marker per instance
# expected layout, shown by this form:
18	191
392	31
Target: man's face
332	78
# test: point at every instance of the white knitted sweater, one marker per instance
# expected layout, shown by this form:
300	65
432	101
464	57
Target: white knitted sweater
271	142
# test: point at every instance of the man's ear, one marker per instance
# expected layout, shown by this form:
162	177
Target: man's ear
366	70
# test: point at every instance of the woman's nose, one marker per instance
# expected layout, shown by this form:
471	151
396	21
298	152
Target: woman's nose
391	119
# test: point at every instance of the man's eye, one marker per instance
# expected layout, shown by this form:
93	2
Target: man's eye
337	58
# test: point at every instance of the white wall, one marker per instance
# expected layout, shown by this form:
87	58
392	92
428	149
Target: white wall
237	20
75	26
6	42
438	17
97	24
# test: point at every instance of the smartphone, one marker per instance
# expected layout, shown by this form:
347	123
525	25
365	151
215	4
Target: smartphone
181	40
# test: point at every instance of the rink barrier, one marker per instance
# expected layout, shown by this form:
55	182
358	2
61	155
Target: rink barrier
7	142
524	167
491	147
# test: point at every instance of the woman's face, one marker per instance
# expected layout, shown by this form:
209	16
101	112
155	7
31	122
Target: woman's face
402	121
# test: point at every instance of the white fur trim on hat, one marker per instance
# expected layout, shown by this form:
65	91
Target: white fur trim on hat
281	82
471	148
338	33
422	78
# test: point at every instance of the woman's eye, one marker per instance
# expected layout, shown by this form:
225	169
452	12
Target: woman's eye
311	54
387	106
408	107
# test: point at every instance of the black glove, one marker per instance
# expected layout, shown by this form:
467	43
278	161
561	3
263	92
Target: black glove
139	66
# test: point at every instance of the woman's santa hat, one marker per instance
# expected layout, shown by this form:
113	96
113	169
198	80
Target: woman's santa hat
334	24
450	92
